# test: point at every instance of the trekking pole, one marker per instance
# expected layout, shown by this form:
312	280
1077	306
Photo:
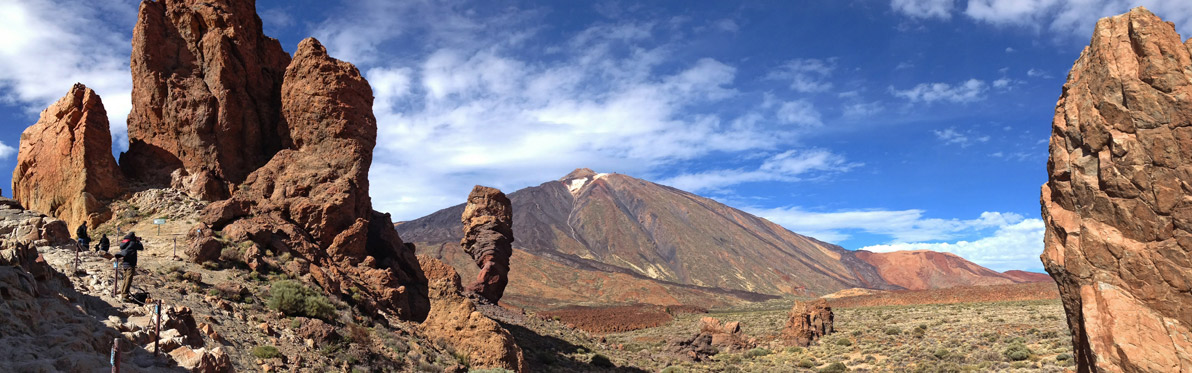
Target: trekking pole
115	355
157	328
175	248
115	276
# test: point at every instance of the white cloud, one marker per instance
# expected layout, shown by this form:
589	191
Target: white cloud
800	113
950	136
727	25
1007	11
49	47
1002	83
901	226
6	151
808	75
1013	246
968	91
1036	73
924	8
862	110
1009	50
788	166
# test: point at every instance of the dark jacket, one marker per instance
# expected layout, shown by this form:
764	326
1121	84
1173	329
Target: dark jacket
103	244
129	247
81	233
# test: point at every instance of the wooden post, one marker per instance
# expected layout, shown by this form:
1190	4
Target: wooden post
157	329
116	355
175	248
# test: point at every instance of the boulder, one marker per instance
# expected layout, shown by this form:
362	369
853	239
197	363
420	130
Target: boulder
711	339
488	239
312	198
807	322
205	95
455	319
1116	205
65	166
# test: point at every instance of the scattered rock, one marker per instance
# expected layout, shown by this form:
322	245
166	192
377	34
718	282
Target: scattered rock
181	319
455	319
711	340
807	322
202	360
205	95
318	332
488	238
64	165
1116	204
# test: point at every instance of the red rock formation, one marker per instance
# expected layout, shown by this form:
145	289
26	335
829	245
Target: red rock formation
488	238
312	199
807	322
1024	276
205	95
712	339
1116	204
455	319
65	166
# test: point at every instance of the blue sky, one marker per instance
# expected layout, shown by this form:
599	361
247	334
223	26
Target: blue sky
883	125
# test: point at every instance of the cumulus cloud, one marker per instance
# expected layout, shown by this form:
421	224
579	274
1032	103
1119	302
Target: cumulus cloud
901	226
806	75
800	113
967	91
789	166
924	8
1013	246
50	46
6	151
950	136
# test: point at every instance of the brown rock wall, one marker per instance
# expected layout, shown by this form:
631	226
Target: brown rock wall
1117	202
807	322
455	319
488	239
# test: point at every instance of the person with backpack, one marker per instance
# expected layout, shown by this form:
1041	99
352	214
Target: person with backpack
103	244
127	256
84	239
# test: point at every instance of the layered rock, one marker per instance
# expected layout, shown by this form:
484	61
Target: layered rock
454	318
807	322
205	95
488	239
1117	204
65	166
312	199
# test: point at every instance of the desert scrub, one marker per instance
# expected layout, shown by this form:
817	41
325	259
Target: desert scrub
265	352
844	342
893	330
837	367
489	370
806	363
295	299
757	352
602	361
1017	352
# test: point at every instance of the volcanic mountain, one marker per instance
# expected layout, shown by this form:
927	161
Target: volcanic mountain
611	238
925	269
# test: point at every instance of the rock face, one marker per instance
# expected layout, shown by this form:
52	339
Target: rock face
455	319
65	166
488	238
205	95
1117	203
807	322
711	340
926	269
312	199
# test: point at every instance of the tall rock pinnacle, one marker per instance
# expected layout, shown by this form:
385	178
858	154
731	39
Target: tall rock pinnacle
205	96
65	166
488	238
1118	201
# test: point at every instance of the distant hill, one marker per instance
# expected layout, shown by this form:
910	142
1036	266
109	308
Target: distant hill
925	269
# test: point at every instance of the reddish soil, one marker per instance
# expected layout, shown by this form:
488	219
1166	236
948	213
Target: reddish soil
962	294
924	269
614	319
1024	276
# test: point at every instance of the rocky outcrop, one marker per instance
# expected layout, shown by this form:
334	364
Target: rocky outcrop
807	322
926	269
312	199
711	339
65	166
205	95
455	319
488	238
1117	204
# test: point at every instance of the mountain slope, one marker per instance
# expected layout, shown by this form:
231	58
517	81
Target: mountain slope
924	269
612	223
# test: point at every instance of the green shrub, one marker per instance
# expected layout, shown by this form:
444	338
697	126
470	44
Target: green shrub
941	353
757	352
893	330
806	363
1062	357
294	299
1017	352
673	370
837	367
265	352
794	350
602	361
844	342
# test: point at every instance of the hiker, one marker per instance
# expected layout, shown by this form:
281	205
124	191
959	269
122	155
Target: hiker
103	244
84	239
128	261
